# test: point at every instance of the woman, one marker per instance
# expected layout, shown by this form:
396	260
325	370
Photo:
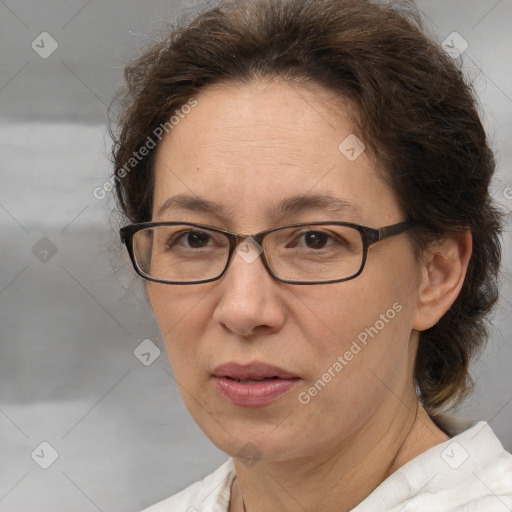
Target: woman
308	190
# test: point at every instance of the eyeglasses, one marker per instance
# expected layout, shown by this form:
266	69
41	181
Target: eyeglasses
313	253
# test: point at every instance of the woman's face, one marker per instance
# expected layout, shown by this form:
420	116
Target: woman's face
349	345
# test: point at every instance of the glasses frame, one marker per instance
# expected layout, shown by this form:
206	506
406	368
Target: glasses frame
369	236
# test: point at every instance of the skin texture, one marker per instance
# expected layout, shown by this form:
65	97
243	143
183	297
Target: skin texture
246	147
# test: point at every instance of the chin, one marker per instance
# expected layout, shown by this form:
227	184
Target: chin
254	443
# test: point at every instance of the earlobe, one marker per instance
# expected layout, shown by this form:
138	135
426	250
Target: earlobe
443	272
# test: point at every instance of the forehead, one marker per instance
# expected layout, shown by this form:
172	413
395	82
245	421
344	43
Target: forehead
249	147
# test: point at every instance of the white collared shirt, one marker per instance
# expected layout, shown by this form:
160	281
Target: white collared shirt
470	472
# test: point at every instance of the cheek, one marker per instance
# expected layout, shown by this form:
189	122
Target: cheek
340	312
358	331
182	318
174	306
358	357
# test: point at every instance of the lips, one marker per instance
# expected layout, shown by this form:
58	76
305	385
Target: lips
254	371
253	385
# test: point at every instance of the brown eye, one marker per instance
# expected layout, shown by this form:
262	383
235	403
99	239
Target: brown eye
197	239
315	239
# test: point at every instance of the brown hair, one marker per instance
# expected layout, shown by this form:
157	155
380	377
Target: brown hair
415	112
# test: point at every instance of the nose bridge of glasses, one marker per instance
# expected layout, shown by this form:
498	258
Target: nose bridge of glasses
248	247
240	237
237	240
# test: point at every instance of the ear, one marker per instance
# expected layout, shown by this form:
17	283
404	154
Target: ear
443	271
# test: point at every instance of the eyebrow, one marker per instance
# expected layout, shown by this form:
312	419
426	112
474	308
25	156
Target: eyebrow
290	205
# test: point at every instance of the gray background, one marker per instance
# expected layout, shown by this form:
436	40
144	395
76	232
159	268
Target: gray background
70	324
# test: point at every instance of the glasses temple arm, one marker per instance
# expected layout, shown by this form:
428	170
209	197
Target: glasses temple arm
395	229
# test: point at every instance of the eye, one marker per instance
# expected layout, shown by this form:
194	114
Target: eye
191	239
314	240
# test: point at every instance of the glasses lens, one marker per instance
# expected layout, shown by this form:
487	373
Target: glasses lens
180	253
315	253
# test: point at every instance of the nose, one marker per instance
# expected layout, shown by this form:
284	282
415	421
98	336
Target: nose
250	301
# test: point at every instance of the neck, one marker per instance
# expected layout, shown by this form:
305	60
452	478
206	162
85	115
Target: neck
346	475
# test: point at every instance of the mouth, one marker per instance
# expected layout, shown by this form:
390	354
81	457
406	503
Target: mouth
253	385
255	371
250	381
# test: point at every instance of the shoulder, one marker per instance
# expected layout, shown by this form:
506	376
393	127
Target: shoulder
212	494
469	472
